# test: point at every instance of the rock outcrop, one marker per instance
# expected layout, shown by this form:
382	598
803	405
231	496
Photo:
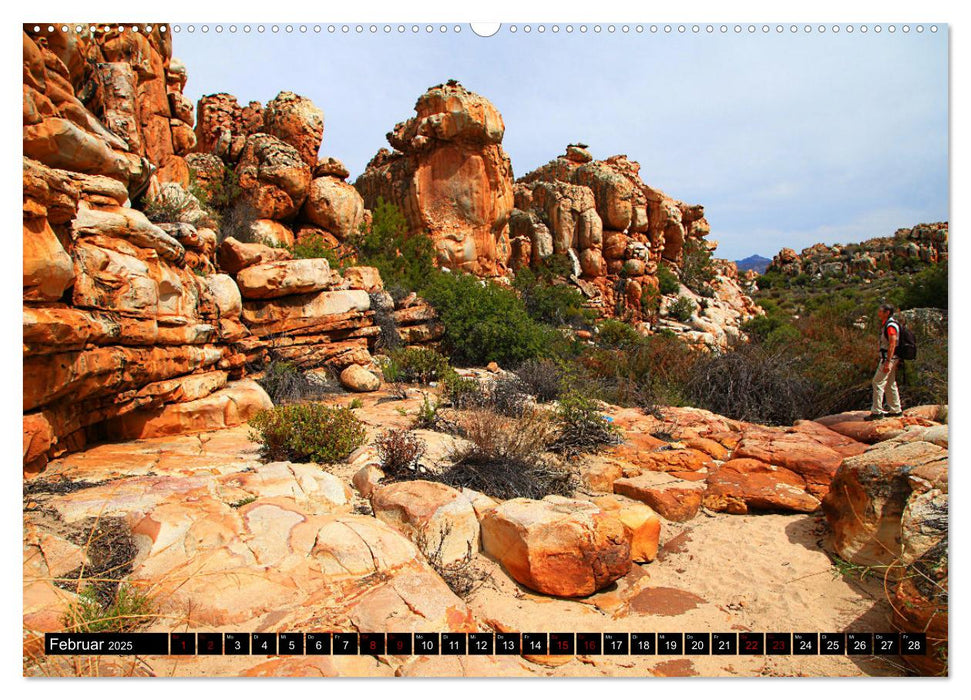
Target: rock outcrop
130	327
450	177
924	244
617	231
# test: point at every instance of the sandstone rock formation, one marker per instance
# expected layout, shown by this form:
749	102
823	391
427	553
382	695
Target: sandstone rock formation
450	178
889	504
129	328
114	320
617	231
924	244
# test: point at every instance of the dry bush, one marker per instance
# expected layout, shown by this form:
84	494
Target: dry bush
751	383
507	395
541	378
464	577
284	382
399	451
507	457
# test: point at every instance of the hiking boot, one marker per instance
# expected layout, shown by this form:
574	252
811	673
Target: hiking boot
898	414
876	416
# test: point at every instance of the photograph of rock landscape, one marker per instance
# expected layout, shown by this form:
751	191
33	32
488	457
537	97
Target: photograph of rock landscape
282	380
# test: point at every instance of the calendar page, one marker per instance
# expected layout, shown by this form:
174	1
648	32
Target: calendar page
546	349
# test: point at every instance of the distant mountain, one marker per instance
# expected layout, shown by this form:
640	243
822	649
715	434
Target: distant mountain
753	262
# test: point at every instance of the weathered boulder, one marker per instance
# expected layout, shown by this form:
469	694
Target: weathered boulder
672	498
870	493
284	277
643	522
223	125
356	378
796	451
235	256
335	206
438	519
274	178
559	546
297	121
739	485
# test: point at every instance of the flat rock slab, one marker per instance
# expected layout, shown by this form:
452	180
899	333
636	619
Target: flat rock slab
672	498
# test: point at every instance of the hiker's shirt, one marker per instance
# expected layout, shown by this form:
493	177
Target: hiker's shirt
885	337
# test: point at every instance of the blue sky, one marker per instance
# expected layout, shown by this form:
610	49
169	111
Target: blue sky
786	139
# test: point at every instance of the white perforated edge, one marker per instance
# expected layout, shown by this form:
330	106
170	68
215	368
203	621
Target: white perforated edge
419	29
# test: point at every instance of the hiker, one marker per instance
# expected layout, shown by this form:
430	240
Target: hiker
885	378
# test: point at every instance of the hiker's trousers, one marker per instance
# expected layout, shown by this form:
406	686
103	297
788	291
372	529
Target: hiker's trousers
886	382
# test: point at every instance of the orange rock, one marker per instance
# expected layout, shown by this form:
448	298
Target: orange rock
558	546
235	256
334	206
712	448
798	452
284	277
48	269
295	120
853	425
225	408
644	524
868	496
274	178
437	518
459	180
673	499
664	460
741	484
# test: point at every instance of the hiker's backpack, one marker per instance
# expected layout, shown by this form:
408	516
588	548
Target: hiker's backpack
906	341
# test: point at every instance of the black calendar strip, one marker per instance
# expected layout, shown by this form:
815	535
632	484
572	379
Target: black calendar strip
487	643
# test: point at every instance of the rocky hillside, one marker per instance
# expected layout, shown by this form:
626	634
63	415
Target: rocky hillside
450	176
908	248
158	237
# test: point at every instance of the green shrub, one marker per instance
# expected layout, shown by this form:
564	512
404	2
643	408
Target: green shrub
651	301
928	288
612	333
485	322
315	246
697	270
461	392
309	432
682	309
415	365
404	261
581	425
667	281
548	302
